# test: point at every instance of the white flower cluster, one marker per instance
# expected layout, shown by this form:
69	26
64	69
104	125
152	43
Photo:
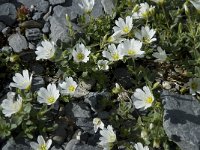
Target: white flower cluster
41	145
142	98
108	136
143	11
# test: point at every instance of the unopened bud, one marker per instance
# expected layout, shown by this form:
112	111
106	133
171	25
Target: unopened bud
14	58
156	144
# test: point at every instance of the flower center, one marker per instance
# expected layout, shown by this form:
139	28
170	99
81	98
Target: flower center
51	100
80	56
131	52
25	85
146	40
71	88
43	147
115	56
149	100
111	138
126	29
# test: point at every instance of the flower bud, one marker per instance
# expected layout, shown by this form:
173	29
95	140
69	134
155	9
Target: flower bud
151	126
14	58
156	143
136	8
144	134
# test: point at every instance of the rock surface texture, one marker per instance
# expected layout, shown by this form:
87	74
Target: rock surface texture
18	42
8	13
182	120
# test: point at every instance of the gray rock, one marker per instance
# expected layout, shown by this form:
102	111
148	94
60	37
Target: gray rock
58	24
57	148
60	134
56	2
94	98
37	83
46	27
28	56
76	145
31	46
94	139
87	84
4	1
2	26
40	5
80	92
33	34
83	88
37	16
17	42
182	120
86	124
81	115
37	68
71	144
103	114
6	30
96	11
123	77
77	110
48	14
31	24
12	145
7	49
108	6
8	13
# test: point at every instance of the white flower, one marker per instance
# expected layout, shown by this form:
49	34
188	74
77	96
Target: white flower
80	53
194	85
158	1
49	95
131	48
46	51
98	124
103	65
22	81
116	38
68	87
87	5
139	146
146	35
142	98
124	27
10	106
41	145
113	53
160	55
108	137
196	4
144	11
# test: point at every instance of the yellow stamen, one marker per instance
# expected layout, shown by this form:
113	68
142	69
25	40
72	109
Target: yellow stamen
115	56
126	29
51	99
43	147
131	52
149	100
71	88
80	56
